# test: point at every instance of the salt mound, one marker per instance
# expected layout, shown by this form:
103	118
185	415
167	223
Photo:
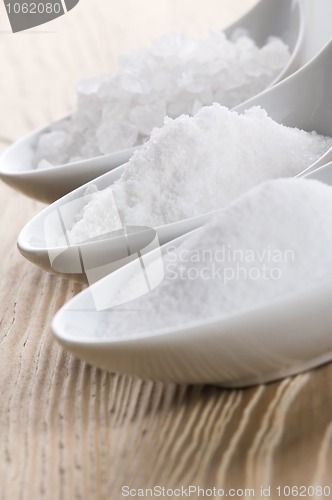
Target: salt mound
194	165
272	242
179	74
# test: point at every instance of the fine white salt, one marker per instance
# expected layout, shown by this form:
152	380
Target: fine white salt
273	242
194	165
177	75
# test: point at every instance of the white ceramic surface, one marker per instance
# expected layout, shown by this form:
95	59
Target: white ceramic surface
282	18
266	343
317	15
49	184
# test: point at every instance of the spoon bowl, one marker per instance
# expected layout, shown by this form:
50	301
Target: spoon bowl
265	343
17	168
317	28
44	238
322	174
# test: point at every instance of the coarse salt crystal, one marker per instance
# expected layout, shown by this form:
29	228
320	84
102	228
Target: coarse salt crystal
118	111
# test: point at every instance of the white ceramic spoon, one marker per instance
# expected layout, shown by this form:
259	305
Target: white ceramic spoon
40	240
282	18
303	100
265	343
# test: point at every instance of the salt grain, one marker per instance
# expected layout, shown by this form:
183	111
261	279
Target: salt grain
178	75
271	243
194	165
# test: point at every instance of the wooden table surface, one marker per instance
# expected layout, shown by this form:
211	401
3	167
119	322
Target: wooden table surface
69	430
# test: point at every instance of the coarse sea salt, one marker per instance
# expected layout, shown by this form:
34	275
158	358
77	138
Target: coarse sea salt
177	75
271	243
194	165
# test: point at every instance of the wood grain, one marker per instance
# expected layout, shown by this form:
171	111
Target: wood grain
71	431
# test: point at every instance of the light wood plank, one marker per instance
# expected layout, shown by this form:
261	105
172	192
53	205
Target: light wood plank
71	431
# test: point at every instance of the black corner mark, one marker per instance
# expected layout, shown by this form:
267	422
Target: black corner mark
70	4
30	13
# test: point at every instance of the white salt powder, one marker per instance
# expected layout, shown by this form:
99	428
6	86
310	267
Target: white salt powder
179	74
194	165
272	242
